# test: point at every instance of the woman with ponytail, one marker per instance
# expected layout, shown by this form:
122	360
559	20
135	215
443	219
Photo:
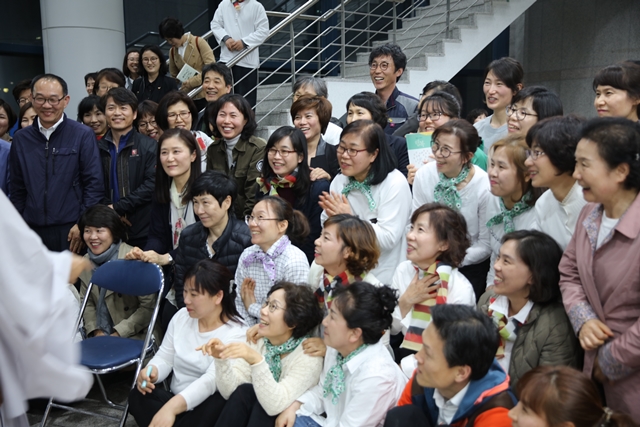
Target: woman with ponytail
286	173
259	380
275	228
360	381
210	313
559	396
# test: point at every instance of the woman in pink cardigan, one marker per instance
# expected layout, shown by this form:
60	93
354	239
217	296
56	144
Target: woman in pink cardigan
600	269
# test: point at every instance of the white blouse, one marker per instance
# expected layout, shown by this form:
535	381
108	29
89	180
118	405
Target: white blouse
373	385
389	219
475	197
194	374
558	219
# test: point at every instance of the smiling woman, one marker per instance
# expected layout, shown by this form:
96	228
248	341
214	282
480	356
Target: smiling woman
108	313
89	113
153	82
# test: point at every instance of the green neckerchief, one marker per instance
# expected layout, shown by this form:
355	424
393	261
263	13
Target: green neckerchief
507	216
446	191
274	352
334	381
363	187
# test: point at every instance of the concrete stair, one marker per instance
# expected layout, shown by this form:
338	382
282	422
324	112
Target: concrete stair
432	53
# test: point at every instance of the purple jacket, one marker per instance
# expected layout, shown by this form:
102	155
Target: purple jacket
53	182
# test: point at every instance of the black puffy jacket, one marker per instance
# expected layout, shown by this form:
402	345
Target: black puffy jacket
192	248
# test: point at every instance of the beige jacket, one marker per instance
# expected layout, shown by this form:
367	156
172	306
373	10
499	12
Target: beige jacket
197	54
130	314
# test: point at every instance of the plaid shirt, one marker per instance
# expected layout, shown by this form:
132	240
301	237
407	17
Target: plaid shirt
291	265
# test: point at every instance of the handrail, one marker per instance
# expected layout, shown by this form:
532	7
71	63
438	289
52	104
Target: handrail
155	33
335	46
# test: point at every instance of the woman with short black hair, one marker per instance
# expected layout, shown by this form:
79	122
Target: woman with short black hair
261	380
110	313
89	113
551	163
236	151
617	89
531	105
526	307
146	120
286	173
153	82
370	187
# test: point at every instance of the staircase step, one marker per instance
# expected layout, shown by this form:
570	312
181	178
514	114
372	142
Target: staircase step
431	12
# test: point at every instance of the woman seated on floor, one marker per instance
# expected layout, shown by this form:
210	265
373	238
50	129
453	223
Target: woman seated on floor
261	380
210	312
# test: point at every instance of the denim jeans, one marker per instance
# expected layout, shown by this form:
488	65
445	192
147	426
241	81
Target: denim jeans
305	422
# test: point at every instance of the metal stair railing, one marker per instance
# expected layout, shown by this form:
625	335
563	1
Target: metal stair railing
337	46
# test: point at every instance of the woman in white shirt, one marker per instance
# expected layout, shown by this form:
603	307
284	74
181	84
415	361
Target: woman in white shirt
210	312
261	380
550	164
177	110
272	257
512	208
360	381
371	188
455	182
526	306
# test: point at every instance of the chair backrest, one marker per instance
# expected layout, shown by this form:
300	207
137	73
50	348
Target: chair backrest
129	277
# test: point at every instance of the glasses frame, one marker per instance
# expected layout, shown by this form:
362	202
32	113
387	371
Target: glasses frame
520	113
283	153
384	66
149	60
442	150
535	154
272	306
53	101
145	125
423	117
184	115
250	218
351	152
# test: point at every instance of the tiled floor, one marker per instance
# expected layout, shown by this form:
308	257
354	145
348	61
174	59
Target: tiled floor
117	386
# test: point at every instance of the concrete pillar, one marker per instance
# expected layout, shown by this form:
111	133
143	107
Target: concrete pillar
79	37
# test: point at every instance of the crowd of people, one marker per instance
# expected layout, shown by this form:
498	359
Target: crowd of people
324	278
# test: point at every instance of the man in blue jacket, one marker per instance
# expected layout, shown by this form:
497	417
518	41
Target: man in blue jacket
55	168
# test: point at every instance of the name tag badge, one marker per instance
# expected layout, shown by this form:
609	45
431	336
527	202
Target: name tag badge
134	152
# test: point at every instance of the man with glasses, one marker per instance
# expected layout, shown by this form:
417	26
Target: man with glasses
22	95
55	168
386	65
128	164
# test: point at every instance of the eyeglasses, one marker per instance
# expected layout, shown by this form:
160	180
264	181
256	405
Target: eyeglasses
23	101
383	66
250	218
41	100
521	113
106	88
145	125
444	151
148	60
283	153
432	116
272	306
351	152
183	115
535	154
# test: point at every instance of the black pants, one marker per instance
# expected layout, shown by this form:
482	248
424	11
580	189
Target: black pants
409	415
477	275
55	237
246	86
144	408
244	410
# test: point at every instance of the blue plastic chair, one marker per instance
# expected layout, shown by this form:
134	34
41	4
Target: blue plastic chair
105	354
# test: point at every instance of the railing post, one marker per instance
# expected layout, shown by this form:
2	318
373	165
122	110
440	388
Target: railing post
448	16
293	56
343	37
395	22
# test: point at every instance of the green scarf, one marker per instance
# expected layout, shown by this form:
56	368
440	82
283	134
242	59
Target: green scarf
507	216
275	351
446	191
363	187
334	381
